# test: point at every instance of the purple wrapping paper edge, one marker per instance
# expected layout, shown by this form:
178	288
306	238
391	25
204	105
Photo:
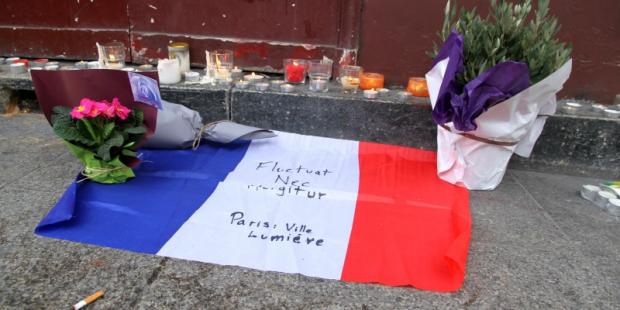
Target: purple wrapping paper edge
462	106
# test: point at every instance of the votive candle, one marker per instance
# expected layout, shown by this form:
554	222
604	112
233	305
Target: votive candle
295	71
417	86
369	80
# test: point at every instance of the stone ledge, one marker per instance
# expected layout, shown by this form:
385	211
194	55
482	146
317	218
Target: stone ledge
582	144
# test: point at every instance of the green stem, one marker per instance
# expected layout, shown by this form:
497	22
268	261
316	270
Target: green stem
90	129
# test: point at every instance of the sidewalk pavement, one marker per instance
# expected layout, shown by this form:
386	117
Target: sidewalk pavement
535	244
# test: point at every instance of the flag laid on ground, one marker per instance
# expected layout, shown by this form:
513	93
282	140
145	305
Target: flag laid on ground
329	208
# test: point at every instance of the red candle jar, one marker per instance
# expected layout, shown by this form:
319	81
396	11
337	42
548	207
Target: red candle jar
371	81
24	61
39	62
417	86
295	70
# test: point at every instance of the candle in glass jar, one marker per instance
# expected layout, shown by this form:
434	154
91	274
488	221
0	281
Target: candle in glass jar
417	87
294	70
318	84
236	74
180	52
371	80
349	83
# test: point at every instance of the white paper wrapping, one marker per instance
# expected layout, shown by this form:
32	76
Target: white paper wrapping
479	165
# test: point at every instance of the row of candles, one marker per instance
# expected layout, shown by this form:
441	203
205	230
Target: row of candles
220	69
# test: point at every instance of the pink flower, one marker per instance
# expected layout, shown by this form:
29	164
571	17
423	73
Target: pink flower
120	110
87	108
107	109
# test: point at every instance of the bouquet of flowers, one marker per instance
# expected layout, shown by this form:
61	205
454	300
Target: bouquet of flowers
103	136
492	85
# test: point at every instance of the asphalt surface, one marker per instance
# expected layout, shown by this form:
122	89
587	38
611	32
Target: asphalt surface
535	244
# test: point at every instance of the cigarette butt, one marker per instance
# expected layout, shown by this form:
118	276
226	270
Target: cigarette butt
88	300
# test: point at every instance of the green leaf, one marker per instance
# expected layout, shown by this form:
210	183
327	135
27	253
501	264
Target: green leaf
108	128
103	151
65	128
135	130
129	153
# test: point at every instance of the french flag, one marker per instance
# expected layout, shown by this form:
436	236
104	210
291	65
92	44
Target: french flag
321	207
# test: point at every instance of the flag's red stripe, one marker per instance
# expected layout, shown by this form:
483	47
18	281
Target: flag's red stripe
410	228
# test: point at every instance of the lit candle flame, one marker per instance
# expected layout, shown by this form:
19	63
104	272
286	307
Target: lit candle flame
112	58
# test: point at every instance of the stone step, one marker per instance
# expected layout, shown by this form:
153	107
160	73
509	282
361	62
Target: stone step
583	144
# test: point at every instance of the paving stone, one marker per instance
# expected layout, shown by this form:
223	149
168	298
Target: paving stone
188	285
42	273
596	232
517	276
499	217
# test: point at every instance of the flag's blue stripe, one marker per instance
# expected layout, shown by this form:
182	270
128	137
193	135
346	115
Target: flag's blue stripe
143	213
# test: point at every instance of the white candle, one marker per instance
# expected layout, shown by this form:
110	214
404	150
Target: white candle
370	94
602	198
404	95
19	67
277	83
51	67
383	91
81	64
571	107
242	84
191	76
169	71
589	192
252	78
613	207
287	88
262	86
93	65
145	67
318	84
11	60
611	113
598	108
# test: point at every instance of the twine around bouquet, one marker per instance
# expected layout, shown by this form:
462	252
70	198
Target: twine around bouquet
485	140
98	172
198	137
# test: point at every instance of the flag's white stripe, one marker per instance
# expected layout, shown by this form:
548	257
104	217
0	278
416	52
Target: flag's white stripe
209	235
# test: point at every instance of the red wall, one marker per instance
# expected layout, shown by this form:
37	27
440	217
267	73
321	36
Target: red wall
388	36
396	33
